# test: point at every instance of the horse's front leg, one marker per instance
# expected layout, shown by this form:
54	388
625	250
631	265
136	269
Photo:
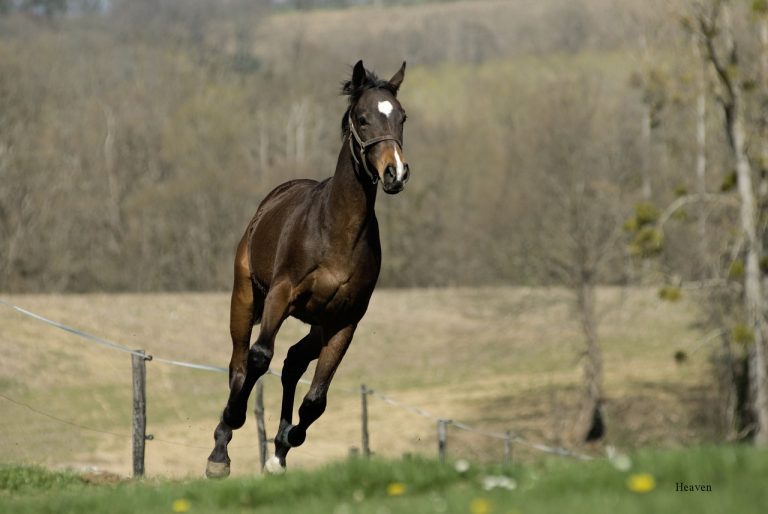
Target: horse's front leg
312	407
257	363
296	363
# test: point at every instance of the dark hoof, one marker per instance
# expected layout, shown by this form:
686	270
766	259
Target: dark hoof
295	436
217	469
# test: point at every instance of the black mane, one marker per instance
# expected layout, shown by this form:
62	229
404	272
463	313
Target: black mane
372	81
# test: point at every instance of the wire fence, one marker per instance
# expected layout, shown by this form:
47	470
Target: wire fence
443	422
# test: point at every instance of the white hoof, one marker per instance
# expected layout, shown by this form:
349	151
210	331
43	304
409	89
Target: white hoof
273	466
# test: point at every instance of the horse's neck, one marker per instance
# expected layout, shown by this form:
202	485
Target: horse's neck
352	198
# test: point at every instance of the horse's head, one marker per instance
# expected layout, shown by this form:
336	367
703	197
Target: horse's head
374	125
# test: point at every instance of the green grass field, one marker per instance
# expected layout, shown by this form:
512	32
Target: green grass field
737	477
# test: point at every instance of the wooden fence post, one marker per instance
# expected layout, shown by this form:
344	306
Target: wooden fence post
260	425
442	425
364	399
138	365
508	447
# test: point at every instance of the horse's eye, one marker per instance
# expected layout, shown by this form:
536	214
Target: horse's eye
405	118
362	121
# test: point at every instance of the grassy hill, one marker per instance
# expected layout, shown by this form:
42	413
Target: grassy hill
736	476
498	358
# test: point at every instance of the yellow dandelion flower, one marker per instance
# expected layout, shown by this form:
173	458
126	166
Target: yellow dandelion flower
480	506
396	489
641	483
181	505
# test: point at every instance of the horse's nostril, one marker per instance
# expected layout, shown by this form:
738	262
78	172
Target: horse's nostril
390	172
406	173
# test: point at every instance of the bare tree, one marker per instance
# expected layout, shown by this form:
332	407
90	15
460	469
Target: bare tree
714	25
761	10
577	227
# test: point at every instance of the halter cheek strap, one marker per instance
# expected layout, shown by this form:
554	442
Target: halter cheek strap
364	146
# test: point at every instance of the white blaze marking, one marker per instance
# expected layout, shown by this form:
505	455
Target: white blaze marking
400	168
385	108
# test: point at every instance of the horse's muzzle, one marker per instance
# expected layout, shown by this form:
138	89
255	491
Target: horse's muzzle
391	183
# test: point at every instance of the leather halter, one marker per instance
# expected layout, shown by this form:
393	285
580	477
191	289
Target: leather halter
364	146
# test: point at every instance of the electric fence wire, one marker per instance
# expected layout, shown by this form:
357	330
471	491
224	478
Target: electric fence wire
205	367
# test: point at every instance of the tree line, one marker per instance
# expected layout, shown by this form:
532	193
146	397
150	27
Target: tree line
135	144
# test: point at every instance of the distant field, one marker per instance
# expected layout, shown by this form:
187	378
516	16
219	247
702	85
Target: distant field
736	476
499	358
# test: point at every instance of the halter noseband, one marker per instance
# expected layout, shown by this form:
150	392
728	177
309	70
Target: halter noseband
364	145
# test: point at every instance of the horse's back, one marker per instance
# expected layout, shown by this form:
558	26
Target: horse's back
281	201
283	195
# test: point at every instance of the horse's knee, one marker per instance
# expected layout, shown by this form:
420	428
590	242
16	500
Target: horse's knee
259	358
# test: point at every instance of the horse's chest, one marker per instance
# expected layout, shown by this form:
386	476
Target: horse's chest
335	295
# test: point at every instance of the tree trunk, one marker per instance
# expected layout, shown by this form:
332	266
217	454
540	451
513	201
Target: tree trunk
763	188
300	110
263	146
752	284
646	128
645	134
593	365
730	389
701	150
113	182
733	108
753	294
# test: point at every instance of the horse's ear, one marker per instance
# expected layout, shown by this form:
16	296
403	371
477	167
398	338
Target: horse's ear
398	77
358	75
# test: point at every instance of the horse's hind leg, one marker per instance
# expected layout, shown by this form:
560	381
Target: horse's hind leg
332	350
242	315
296	363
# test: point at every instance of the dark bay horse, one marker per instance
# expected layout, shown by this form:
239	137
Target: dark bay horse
312	251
